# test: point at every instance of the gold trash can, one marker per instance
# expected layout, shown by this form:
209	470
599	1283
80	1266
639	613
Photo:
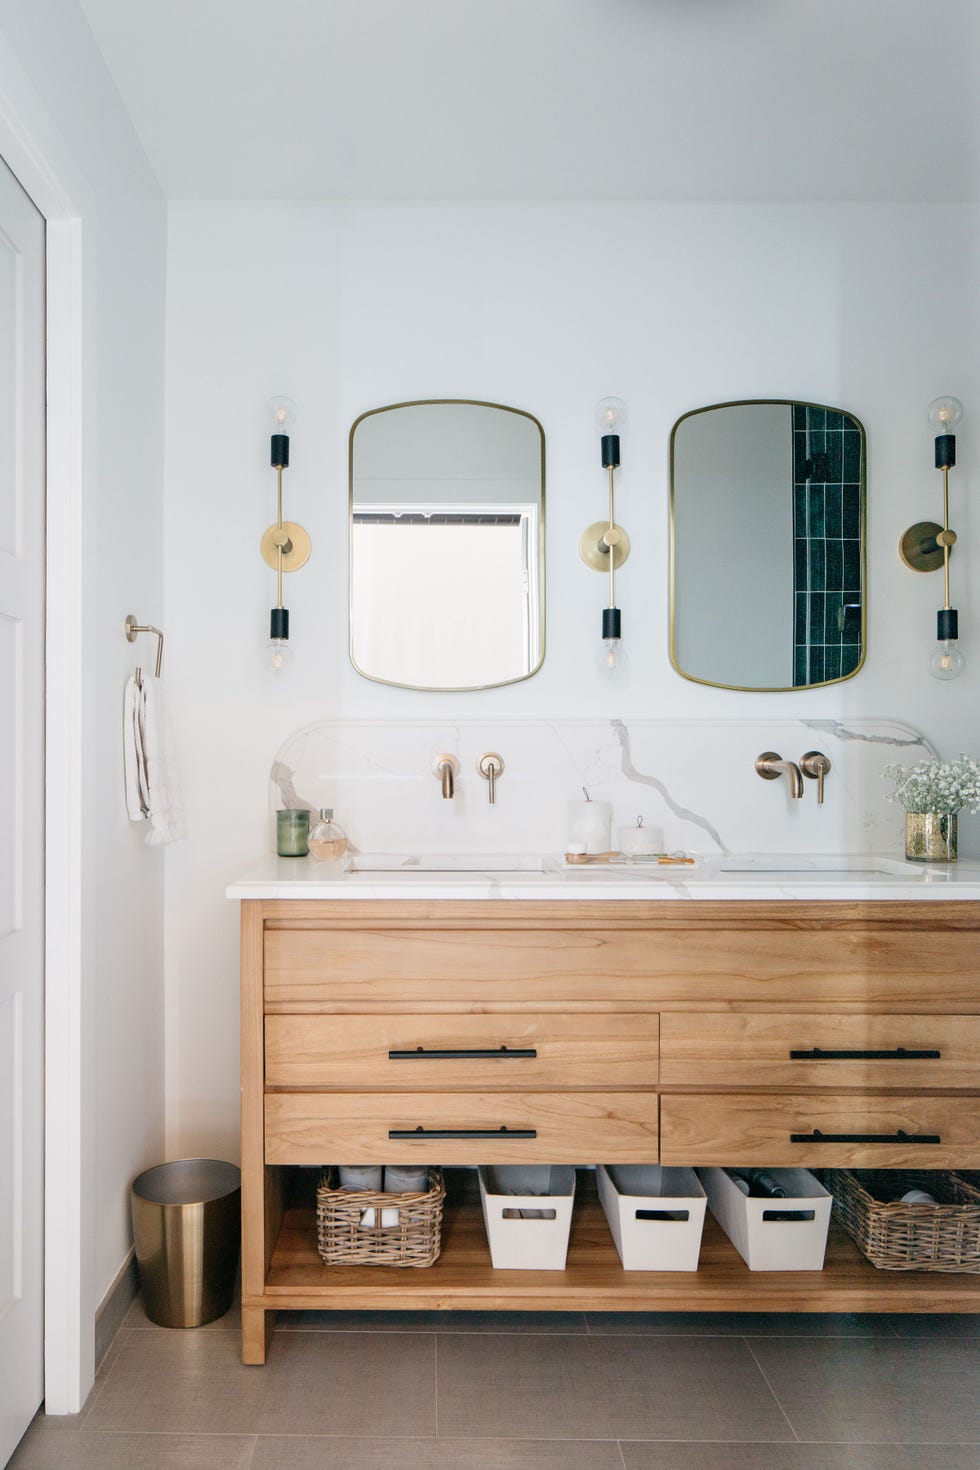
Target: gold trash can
187	1235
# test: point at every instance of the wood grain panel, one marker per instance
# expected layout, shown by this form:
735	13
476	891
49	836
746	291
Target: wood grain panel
594	1280
351	1052
352	1128
732	1128
398	966
727	1049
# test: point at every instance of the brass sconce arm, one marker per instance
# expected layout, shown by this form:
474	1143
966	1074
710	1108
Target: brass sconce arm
926	546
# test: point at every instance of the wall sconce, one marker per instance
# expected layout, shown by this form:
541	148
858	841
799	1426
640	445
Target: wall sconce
285	546
926	547
604	546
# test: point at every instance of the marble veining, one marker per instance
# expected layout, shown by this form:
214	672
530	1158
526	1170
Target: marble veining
292	878
840	731
632	774
693	781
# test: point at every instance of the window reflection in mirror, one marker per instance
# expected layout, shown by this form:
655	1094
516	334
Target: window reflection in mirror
447	545
767	545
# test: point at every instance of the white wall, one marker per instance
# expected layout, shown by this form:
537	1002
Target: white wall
56	93
546	308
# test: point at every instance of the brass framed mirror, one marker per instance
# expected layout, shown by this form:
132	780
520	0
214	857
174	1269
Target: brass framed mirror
447	500
767	545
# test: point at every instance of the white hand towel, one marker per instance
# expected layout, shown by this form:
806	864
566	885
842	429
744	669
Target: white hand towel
134	761
151	773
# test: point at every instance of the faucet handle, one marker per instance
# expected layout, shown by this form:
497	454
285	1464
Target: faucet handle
815	765
490	766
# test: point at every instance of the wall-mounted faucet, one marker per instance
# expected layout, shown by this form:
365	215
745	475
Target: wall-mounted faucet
490	767
446	769
815	765
771	766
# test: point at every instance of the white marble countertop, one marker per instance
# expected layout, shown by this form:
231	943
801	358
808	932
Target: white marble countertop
819	877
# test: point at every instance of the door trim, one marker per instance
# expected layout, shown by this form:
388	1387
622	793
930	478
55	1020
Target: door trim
36	153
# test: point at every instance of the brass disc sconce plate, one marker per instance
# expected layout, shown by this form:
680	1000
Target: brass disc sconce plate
591	553
298	554
919	548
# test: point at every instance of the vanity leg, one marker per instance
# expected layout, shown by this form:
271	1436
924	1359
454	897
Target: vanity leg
257	1326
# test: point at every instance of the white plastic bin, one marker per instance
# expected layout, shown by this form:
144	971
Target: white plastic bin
527	1209
656	1215
773	1234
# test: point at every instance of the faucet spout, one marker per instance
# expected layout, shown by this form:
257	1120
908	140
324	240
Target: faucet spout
770	766
446	768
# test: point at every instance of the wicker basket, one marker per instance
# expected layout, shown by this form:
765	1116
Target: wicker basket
342	1240
909	1237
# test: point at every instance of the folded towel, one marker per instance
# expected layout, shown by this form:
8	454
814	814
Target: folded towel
152	785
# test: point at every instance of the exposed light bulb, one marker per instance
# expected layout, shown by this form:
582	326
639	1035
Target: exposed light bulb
948	661
613	659
612	415
279	652
284	412
945	413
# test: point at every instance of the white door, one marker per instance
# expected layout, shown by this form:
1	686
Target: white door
21	808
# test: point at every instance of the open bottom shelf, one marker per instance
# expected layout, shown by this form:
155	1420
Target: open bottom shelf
593	1280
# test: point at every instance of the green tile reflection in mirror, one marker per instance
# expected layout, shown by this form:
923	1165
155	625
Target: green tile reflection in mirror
767	546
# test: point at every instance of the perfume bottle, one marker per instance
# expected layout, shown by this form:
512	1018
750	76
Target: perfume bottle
328	844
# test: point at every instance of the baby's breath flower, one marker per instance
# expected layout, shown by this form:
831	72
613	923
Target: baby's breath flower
936	786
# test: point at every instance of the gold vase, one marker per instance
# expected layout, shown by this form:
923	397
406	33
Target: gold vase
930	837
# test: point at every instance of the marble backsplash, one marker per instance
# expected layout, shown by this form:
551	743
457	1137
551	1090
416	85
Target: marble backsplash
693	781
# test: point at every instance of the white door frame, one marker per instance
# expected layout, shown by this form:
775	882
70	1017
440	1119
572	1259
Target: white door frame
37	155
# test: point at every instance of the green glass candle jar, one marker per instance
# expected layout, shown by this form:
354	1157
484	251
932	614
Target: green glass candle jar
292	833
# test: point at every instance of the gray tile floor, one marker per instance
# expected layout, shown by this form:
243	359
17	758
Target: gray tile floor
512	1391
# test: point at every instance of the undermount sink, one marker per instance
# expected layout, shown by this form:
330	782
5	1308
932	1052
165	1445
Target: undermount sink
446	862
858	866
523	865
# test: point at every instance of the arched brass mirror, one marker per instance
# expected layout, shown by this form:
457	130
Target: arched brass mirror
447	545
767	546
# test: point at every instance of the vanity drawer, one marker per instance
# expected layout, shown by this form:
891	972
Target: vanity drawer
811	1129
783	1050
315	966
460	1128
449	1052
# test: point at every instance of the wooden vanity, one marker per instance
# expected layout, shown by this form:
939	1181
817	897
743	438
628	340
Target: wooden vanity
710	1032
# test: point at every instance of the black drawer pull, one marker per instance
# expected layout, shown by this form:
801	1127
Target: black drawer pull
899	1137
899	1054
503	1132
461	1054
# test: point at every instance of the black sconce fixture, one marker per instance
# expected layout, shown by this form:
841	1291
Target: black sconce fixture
926	547
285	546
604	546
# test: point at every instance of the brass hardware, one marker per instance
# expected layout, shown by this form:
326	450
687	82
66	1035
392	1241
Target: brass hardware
490	767
770	766
295	549
921	549
133	628
672	600
422	403
446	768
594	544
815	765
926	547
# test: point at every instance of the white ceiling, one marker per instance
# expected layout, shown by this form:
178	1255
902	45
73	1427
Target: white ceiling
551	99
